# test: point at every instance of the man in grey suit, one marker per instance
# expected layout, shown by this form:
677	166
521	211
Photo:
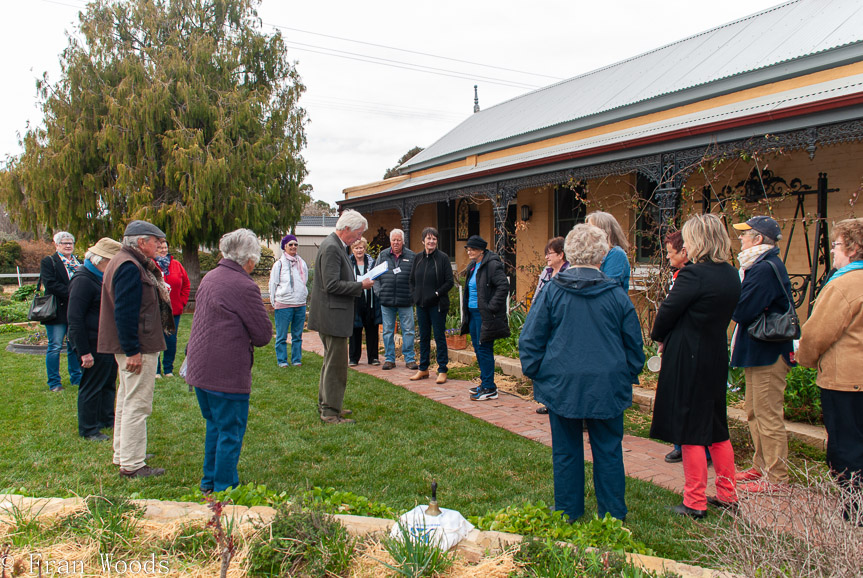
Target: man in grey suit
332	312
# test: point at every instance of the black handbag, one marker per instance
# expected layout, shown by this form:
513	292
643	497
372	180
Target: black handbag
777	327
43	308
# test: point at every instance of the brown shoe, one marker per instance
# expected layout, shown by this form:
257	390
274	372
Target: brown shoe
345	413
420	375
142	472
335	419
441	378
388	365
412	365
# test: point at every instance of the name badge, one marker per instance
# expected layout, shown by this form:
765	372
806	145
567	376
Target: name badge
397	270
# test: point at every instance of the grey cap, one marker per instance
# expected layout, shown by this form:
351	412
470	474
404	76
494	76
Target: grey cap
143	228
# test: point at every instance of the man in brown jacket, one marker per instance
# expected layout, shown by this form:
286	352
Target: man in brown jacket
130	328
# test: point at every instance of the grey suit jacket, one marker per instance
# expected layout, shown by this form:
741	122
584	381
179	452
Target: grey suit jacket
333	290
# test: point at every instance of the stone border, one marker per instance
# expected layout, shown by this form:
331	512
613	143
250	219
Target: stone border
16	347
473	548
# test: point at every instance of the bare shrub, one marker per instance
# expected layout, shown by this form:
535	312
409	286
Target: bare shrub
32	253
795	531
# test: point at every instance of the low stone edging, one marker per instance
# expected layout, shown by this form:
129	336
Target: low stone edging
473	548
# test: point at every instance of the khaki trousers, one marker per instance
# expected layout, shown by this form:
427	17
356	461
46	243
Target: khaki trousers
134	406
334	375
765	400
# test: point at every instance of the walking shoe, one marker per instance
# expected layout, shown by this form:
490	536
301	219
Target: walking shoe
142	472
297	364
169	375
283	365
335	419
158	376
441	378
722	505
542	410
353	363
484	394
412	365
473	390
420	374
345	413
748	475
97	437
57	389
674	457
684	510
388	365
374	362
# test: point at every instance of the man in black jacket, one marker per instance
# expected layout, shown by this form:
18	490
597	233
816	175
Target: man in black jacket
99	378
393	291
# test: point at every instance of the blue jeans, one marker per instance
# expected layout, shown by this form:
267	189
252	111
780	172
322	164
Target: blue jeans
484	351
406	320
56	333
609	479
293	318
226	426
166	360
431	319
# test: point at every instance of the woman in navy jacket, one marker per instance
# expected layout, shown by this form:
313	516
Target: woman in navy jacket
56	272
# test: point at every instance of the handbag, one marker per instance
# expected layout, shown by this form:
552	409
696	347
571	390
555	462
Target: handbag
44	307
777	327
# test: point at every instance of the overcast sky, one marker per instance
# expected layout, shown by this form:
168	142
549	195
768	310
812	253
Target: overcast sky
365	115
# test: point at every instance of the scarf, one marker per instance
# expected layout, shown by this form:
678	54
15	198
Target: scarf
164	264
747	257
93	269
294	262
71	264
154	274
852	266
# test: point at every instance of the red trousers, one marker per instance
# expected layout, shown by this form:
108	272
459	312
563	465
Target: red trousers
695	474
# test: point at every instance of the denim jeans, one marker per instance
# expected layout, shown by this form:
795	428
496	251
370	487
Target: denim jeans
484	351
406	320
431	319
56	333
293	318
166	360
226	426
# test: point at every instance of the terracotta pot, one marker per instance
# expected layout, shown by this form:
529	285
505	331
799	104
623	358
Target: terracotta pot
456	341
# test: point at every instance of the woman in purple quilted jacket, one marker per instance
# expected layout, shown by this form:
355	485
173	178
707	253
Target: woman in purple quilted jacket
230	321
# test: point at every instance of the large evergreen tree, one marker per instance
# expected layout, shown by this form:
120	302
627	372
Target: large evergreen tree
180	112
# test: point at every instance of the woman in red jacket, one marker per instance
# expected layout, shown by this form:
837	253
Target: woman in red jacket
177	279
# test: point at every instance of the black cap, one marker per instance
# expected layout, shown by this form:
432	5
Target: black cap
143	228
764	225
476	242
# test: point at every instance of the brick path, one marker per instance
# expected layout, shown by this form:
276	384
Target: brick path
642	458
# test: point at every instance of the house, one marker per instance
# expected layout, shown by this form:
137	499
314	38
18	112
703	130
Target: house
310	231
763	115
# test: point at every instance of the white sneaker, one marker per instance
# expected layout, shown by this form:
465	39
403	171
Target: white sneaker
158	376
169	375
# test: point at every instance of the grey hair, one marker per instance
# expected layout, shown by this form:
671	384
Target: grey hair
60	235
241	245
397	232
586	245
132	240
93	257
352	220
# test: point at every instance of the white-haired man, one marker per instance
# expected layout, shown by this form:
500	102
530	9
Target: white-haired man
394	292
332	312
131	327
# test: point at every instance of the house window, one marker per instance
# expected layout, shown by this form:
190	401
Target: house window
569	209
647	221
446	226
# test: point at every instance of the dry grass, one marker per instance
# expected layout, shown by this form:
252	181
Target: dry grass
368	564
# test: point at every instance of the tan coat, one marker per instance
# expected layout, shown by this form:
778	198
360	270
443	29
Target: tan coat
832	338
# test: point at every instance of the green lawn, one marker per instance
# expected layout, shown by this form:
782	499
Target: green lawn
400	443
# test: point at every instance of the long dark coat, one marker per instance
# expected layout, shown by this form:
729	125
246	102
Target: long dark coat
492	288
56	281
692	324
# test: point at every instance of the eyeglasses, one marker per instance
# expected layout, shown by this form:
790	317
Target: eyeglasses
292	244
66	243
835	244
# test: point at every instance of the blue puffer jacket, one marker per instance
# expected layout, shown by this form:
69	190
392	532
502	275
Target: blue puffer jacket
581	344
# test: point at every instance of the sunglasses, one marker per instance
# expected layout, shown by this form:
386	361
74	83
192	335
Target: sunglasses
292	244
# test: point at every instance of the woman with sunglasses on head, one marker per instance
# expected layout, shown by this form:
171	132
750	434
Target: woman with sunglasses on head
288	294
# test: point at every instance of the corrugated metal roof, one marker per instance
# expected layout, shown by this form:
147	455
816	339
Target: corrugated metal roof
772	103
317	221
781	34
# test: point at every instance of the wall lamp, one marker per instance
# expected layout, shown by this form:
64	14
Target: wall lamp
526	213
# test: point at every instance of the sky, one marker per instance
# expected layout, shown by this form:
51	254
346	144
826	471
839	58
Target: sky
384	76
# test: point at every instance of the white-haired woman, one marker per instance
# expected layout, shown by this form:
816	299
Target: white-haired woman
56	272
692	325
616	263
99	378
584	377
230	321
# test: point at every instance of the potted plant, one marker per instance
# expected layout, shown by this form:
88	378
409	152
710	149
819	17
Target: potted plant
453	329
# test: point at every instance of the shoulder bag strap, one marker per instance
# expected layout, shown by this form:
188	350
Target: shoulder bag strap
781	283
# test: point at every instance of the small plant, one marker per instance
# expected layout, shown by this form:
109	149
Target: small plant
301	543
249	495
24	293
335	501
111	522
192	542
24	526
224	538
802	396
416	554
545	558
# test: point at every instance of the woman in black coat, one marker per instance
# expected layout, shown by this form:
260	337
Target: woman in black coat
55	273
367	310
691	326
99	378
484	314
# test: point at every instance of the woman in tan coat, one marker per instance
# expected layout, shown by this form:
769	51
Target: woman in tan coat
831	342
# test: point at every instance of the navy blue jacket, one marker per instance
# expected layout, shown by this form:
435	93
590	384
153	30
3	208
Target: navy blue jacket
760	291
581	344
